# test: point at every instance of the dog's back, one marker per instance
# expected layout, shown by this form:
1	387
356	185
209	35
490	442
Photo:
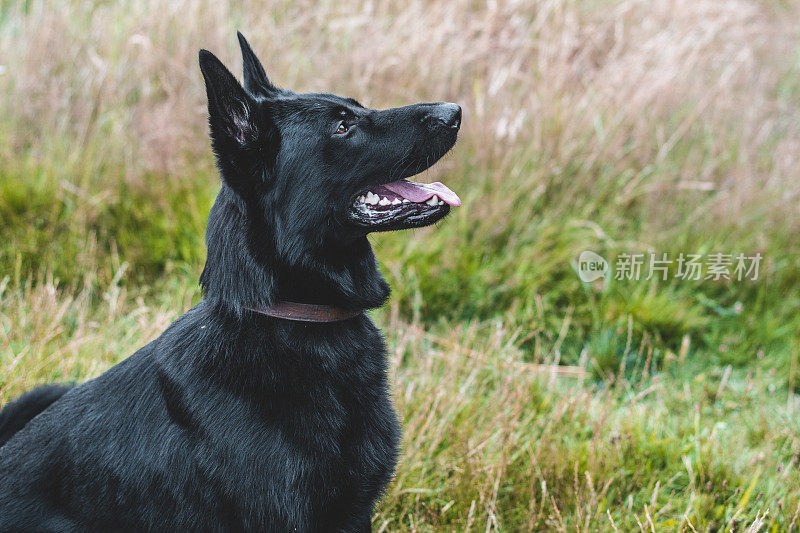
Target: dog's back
18	413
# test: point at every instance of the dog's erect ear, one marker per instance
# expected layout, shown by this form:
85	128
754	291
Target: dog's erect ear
244	137
230	108
255	78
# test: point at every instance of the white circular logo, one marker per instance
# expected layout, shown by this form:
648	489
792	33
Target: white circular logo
592	266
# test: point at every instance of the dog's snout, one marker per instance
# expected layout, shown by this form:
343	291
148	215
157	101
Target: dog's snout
451	115
448	114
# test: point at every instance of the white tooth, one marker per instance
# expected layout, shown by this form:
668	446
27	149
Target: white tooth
406	201
396	201
384	201
362	199
432	201
436	200
372	200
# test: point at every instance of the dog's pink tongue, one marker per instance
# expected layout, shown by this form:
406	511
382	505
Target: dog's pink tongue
421	192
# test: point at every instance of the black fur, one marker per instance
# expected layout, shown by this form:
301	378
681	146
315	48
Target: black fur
232	420
16	414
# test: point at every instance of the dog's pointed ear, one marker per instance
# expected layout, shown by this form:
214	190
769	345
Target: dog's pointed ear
255	78
230	108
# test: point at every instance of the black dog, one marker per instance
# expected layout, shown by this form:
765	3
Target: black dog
266	406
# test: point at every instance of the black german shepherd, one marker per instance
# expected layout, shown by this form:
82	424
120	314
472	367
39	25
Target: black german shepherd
265	407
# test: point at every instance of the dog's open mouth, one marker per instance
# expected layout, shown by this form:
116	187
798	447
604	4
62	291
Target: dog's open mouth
403	204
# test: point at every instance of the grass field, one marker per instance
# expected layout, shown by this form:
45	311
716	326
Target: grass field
531	401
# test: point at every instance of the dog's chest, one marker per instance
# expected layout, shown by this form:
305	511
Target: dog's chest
326	445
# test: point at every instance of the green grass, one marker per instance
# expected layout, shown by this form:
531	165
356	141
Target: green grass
530	400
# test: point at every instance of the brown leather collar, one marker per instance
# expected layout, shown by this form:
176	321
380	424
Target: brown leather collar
305	312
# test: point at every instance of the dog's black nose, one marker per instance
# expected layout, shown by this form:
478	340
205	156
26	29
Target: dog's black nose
449	114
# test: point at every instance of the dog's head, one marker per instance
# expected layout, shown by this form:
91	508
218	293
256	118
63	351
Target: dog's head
317	172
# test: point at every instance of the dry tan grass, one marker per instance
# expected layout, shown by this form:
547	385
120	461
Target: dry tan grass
48	334
568	82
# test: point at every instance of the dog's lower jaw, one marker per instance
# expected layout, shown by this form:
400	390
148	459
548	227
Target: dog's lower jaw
398	217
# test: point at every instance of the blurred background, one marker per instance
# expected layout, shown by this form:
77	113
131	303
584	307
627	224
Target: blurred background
531	400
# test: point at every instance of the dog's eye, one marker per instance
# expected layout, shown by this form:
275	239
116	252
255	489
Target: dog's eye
342	128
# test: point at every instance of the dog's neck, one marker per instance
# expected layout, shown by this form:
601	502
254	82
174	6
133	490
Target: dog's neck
244	268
